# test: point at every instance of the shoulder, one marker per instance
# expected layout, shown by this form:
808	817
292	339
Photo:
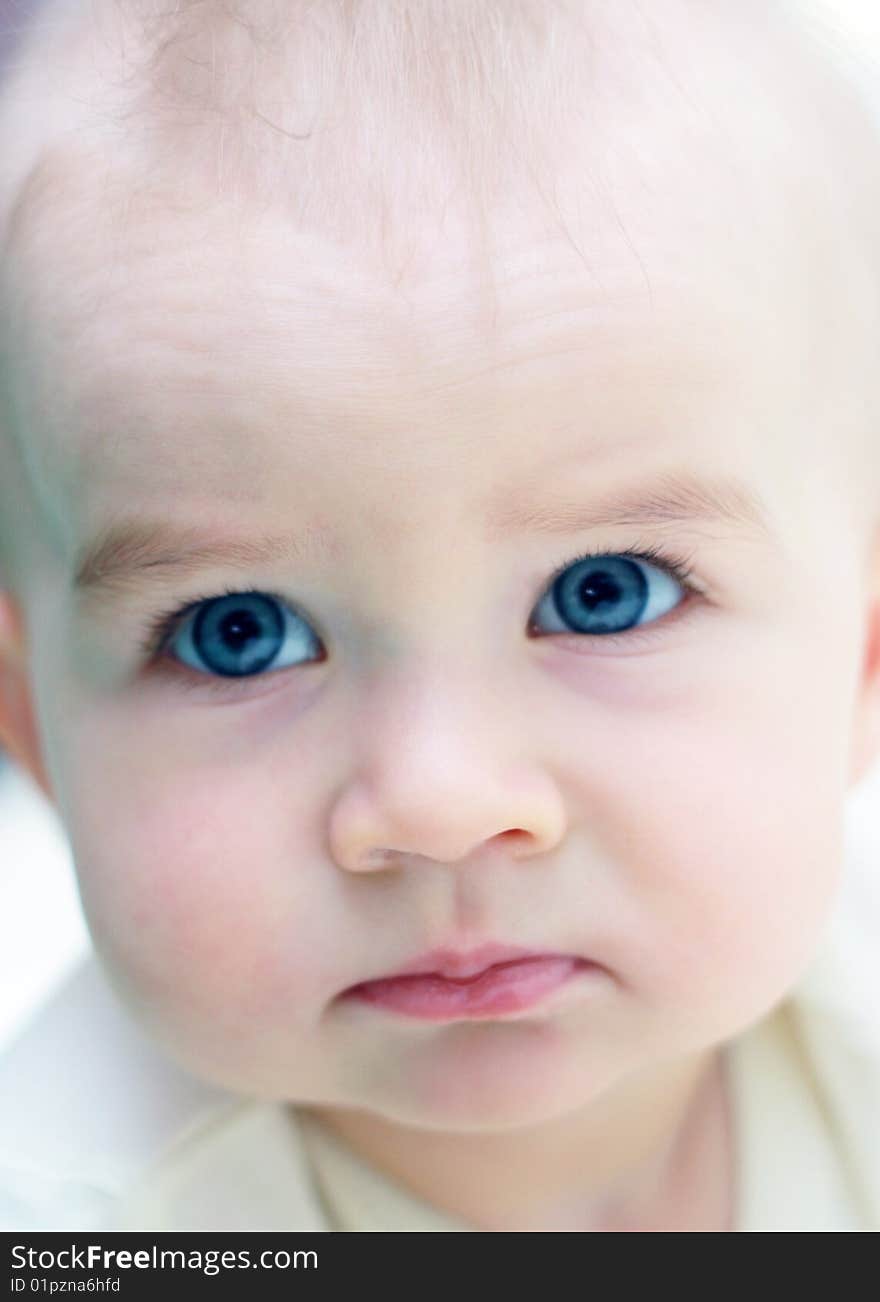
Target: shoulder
843	981
836	1007
245	1170
86	1101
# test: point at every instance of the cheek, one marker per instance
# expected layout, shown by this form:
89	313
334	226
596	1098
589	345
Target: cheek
725	824
739	883
198	898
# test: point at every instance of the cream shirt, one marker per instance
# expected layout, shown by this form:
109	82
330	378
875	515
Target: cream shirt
99	1130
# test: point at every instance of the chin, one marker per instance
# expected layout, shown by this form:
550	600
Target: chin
486	1078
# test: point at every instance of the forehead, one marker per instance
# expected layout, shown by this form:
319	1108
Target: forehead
666	295
205	342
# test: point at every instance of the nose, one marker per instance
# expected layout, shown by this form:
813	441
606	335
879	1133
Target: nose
442	773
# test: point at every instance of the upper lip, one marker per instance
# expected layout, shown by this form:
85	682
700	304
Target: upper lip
459	964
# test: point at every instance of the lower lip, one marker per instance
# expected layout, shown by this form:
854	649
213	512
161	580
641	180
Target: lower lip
504	988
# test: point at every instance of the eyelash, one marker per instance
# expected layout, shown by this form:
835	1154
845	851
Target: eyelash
159	629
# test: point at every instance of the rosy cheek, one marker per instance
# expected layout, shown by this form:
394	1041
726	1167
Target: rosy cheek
178	886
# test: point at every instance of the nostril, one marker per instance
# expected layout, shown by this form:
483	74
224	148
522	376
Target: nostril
515	839
377	858
512	839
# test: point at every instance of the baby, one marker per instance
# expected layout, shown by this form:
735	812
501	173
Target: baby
440	532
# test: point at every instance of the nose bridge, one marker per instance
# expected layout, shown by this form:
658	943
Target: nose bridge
431	716
437	770
427	613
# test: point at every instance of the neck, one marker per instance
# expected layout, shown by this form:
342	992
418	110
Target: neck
653	1154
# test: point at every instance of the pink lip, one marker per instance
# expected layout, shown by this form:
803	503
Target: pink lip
458	964
447	985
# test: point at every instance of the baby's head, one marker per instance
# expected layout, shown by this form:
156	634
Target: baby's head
351	332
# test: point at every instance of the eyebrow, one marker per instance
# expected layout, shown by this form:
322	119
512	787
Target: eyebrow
132	554
674	498
141	552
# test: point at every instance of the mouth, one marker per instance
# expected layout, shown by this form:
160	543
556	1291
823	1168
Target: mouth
465	965
447	985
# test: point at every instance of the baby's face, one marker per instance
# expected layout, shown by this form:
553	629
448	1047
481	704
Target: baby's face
405	736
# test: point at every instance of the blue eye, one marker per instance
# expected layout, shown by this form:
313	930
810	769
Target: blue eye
242	634
609	594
